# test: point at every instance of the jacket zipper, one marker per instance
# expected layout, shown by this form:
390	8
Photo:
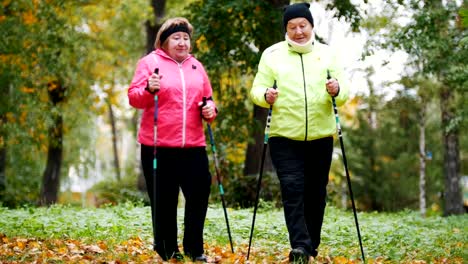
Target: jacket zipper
305	99
184	100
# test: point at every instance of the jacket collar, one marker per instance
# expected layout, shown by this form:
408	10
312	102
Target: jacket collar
301	48
162	53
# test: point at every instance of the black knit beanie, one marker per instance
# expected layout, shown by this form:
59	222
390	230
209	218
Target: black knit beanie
297	10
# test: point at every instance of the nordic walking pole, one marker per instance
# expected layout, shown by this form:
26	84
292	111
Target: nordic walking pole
155	137
218	177
259	182
338	126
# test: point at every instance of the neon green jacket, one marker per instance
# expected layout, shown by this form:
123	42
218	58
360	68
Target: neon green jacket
303	109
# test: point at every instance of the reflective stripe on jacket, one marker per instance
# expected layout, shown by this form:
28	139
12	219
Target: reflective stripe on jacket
182	86
303	109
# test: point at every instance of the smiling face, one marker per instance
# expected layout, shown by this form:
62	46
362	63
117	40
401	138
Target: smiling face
178	46
299	30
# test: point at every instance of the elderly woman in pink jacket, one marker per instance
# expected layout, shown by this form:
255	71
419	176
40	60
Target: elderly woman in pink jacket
180	84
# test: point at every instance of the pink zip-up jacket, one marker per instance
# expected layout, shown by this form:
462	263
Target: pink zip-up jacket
182	87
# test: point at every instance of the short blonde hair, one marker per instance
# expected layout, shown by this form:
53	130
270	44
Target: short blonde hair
171	23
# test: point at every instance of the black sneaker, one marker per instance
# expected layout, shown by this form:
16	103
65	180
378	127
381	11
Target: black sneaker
314	253
201	258
299	256
177	256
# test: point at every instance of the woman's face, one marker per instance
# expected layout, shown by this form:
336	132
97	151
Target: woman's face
178	46
299	30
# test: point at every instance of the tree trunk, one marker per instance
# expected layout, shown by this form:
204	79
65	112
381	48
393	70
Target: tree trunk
141	182
3	153
51	177
254	149
452	194
374	203
114	141
4	101
344	194
422	160
372	188
159	7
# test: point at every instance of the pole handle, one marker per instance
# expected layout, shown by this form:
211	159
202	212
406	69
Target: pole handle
202	105
156	70
268	121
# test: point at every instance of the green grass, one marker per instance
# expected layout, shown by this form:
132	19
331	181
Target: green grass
396	237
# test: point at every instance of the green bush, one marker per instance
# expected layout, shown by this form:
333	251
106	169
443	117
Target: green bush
23	175
111	191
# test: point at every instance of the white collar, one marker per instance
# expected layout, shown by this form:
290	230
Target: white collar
301	48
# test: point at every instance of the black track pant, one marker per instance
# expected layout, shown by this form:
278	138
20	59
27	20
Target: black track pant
302	168
188	170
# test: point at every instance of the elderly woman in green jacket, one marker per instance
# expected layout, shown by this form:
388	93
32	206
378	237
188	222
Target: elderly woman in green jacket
302	124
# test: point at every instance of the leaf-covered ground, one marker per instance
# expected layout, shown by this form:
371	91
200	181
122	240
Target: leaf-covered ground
122	234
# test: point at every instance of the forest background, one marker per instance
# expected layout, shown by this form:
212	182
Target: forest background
68	134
